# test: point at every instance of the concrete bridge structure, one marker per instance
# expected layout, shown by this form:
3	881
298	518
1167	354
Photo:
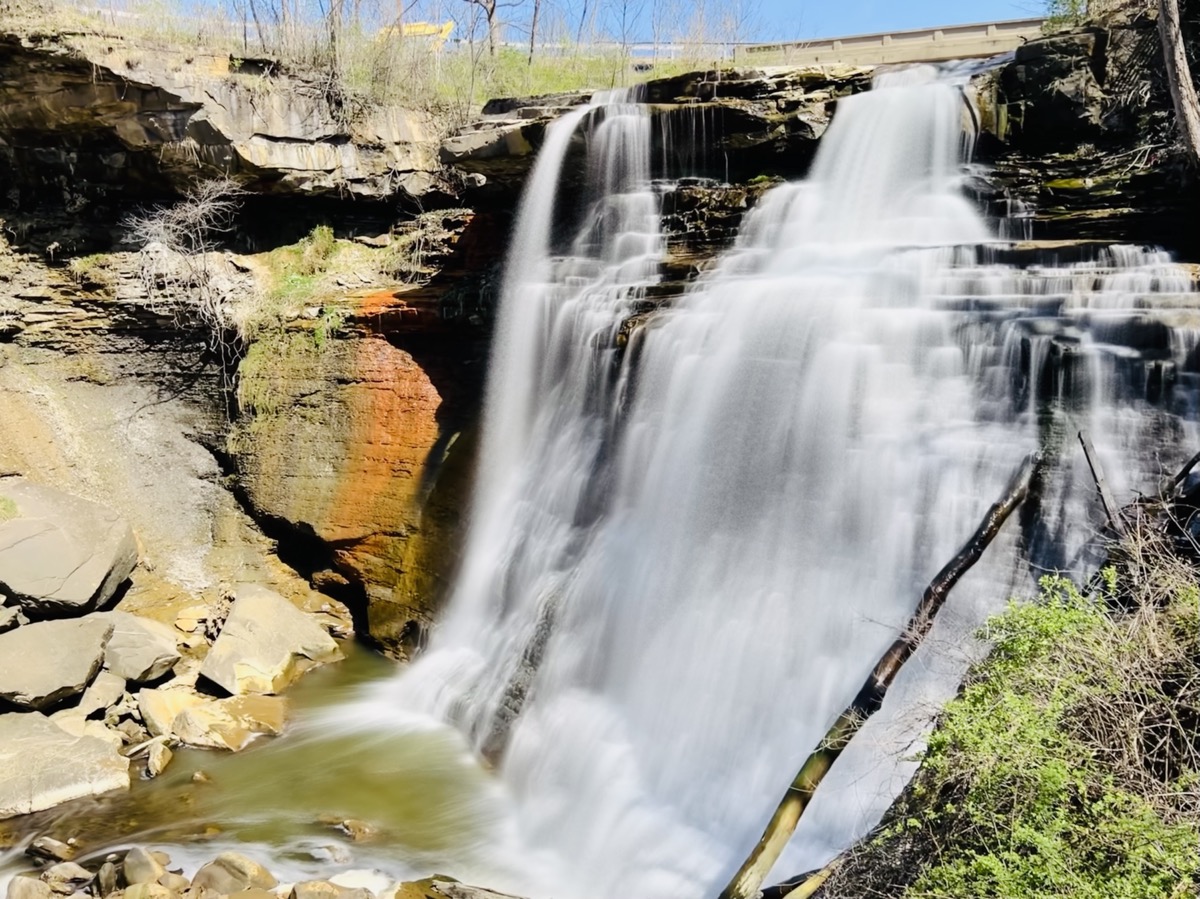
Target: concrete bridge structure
921	45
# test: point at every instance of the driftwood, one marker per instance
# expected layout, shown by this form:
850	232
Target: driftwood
1111	510
806	885
748	880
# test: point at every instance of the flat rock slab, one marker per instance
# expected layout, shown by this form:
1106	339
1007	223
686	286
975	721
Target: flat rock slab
42	766
141	649
265	644
60	554
48	661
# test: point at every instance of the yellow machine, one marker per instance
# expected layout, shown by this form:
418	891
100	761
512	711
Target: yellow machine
438	34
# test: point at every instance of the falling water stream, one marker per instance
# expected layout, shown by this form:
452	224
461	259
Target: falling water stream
686	550
683	560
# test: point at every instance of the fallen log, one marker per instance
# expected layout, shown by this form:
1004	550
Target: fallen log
748	880
1111	510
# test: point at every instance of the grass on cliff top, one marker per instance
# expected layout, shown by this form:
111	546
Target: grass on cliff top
366	68
1069	765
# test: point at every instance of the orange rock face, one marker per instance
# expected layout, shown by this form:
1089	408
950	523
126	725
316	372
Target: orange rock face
347	442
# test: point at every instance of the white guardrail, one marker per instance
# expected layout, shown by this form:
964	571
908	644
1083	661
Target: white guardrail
920	45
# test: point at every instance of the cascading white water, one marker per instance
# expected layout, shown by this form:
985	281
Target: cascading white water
678	573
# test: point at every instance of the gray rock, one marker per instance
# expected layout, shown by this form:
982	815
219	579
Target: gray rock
266	644
106	879
157	759
48	661
22	887
66	878
176	883
105	691
60	554
142	867
323	889
140	650
42	766
147	891
10	617
50	848
231	872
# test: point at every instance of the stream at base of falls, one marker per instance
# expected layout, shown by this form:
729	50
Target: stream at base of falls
687	548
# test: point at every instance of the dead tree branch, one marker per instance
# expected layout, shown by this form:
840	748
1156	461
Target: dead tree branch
748	880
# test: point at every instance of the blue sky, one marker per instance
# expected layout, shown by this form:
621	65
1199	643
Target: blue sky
783	19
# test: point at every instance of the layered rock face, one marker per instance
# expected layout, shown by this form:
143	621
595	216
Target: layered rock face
90	127
1078	132
347	434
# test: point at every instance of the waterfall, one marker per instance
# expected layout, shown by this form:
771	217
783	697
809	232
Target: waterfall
680	568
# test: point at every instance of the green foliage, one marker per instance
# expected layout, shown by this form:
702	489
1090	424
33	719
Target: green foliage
8	509
1041	779
1065	14
91	270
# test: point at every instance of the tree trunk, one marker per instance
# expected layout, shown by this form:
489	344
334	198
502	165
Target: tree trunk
748	880
1179	76
537	8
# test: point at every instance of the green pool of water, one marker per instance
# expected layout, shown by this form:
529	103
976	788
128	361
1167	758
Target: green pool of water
407	798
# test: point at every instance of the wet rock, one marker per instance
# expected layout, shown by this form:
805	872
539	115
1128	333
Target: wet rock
48	661
22	887
157	759
42	766
323	889
142	867
231	872
60	554
147	891
358	831
66	878
231	723
50	849
266	644
140	649
106	879
176	883
374	882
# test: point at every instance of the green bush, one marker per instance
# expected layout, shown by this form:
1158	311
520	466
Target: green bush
1042	779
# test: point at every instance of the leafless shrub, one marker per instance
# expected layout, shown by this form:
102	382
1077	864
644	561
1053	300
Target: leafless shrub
181	270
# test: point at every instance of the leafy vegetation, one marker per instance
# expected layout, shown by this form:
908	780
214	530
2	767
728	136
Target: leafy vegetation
8	509
1069	765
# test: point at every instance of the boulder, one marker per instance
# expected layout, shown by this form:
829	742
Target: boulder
157	759
142	867
140	649
66	878
49	661
230	723
105	691
24	887
160	708
266	644
42	766
323	889
10	617
147	891
231	872
60	554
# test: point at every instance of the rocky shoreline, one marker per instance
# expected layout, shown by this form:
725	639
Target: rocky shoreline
88	689
145	873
